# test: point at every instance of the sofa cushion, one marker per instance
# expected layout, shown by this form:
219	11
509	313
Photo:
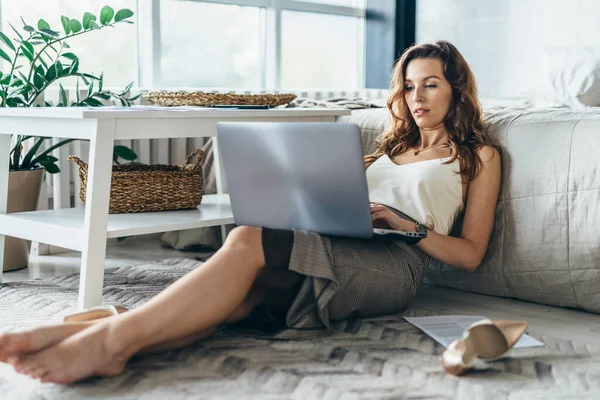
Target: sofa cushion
372	122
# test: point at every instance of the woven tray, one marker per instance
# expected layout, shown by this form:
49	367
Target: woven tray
141	188
170	99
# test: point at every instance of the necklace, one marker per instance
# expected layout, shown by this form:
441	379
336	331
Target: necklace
418	151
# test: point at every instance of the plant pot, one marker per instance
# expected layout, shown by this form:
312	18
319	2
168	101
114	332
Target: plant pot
23	194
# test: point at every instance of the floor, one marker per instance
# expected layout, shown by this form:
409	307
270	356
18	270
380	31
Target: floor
555	321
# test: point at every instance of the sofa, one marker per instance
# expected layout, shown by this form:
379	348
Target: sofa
545	246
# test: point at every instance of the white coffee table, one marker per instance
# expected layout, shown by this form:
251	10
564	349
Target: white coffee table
86	229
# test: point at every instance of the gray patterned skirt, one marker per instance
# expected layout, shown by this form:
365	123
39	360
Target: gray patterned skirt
332	281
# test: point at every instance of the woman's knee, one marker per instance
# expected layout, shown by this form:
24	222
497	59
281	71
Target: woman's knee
248	239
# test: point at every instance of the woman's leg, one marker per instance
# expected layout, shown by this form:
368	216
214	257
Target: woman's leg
200	301
40	338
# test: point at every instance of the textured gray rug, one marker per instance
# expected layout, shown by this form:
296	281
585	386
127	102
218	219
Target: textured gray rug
387	359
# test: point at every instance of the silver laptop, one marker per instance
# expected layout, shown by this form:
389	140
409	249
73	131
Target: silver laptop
305	175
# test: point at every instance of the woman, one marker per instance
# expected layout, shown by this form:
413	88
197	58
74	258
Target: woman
432	164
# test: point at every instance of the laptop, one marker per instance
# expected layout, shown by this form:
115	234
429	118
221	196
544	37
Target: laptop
299	175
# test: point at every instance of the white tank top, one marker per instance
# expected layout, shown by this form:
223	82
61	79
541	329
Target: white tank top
428	191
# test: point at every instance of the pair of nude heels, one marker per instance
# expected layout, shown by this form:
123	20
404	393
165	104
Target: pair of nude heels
485	340
94	313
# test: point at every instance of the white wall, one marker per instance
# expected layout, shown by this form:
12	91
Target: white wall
504	40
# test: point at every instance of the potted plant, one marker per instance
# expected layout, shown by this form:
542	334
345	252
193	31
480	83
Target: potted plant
39	57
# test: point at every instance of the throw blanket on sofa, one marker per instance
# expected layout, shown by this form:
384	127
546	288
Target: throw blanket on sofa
337	102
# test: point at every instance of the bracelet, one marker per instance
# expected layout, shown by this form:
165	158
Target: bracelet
421	228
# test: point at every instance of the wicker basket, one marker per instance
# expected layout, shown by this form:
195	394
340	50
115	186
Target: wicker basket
141	188
169	99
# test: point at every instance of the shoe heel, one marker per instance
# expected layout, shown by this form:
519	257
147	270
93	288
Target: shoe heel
485	340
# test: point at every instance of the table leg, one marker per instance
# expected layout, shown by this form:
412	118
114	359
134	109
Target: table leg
96	214
4	165
219	178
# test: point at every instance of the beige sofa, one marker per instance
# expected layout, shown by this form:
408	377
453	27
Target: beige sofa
546	241
545	245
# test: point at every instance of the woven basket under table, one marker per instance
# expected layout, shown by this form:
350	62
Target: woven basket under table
140	188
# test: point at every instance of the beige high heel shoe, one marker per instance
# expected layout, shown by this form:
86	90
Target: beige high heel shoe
484	340
94	313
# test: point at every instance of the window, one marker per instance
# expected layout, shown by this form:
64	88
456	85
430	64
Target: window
112	51
324	56
253	44
214	45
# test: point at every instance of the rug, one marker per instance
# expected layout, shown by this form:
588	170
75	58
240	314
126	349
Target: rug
387	359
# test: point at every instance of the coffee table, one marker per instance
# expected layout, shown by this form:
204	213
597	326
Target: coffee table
87	229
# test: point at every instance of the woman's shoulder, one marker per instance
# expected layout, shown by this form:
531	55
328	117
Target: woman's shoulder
487	153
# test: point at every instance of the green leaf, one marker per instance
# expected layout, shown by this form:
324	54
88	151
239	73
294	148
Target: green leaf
49	33
38	81
83	78
47	159
87	18
123	14
90	87
90	76
29	47
51	168
26	52
63	95
5	80
103	96
75	25
74	67
52	72
43	25
101	82
66	23
125	153
7	41
77	91
65	45
24	91
106	15
29	28
15	102
94	102
94	25
5	56
70	56
61	71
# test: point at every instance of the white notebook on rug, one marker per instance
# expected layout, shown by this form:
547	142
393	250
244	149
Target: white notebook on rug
445	329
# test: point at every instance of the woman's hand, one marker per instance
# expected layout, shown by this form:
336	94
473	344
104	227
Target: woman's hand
385	218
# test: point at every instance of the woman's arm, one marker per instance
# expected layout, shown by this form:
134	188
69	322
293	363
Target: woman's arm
467	251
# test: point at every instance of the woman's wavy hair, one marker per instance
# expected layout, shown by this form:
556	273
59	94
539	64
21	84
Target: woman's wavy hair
464	118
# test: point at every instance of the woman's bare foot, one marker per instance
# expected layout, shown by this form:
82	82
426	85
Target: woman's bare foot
91	352
36	339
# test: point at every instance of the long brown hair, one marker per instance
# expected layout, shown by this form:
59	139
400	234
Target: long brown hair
463	121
